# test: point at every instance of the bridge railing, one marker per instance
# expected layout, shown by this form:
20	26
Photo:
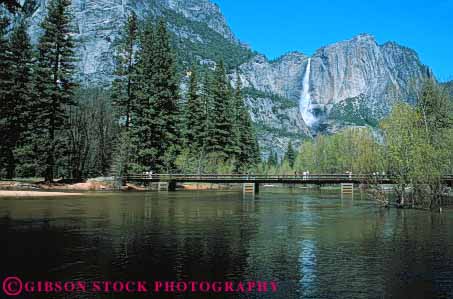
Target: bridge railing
223	177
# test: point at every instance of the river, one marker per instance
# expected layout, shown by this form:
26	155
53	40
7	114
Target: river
312	245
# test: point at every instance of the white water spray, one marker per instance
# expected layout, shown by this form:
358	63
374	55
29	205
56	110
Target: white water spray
305	99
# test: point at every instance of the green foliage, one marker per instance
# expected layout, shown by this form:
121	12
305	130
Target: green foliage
218	125
157	112
90	136
5	92
214	46
272	160
18	112
448	87
221	129
418	146
54	84
124	86
280	103
195	116
16	92
353	111
290	155
247	149
353	149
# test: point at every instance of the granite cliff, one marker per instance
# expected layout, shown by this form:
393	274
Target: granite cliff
198	27
356	76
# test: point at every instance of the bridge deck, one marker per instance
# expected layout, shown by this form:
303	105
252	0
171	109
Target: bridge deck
268	179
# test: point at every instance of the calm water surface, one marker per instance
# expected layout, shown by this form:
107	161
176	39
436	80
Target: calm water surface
313	245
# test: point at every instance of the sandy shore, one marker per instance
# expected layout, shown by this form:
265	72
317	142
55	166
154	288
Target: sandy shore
36	194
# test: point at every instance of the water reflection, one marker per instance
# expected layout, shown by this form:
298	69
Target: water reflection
315	246
308	265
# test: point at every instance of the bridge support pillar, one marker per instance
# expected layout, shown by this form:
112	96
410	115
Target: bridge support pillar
257	188
347	188
162	186
250	188
172	186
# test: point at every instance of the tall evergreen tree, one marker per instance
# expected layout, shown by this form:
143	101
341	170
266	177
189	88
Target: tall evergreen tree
5	84
206	95
158	112
290	155
235	110
54	82
166	97
272	160
144	123
221	128
247	143
124	86
195	119
17	114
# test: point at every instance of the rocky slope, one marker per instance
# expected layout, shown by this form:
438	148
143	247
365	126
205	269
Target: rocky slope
448	87
277	120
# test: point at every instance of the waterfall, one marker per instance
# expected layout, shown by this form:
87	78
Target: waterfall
305	99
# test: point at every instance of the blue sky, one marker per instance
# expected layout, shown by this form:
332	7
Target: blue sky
276	27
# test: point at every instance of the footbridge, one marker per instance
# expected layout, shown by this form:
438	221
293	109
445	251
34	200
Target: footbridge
248	179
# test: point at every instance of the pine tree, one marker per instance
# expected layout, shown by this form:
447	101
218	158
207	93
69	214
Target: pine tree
166	97
54	83
207	102
144	124
124	86
5	62
195	118
235	109
221	129
290	155
270	159
248	154
158	111
17	113
5	90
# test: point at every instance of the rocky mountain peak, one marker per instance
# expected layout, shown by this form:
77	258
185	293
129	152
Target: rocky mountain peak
202	11
357	68
290	56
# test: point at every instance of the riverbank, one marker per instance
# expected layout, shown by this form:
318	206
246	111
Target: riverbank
30	185
27	194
